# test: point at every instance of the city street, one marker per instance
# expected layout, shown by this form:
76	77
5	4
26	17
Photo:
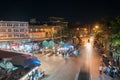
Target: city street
60	40
83	67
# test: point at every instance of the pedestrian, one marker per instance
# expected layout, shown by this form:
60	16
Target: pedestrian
115	72
33	75
88	40
100	69
108	70
105	69
36	74
101	60
29	77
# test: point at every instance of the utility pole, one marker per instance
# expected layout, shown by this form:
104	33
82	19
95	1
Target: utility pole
32	21
61	33
89	26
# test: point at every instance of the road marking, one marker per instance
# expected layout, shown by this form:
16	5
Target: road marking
76	76
91	77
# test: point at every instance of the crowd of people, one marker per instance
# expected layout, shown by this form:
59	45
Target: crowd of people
108	65
36	75
108	68
14	75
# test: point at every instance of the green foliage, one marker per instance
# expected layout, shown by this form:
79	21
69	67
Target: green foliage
105	22
113	29
99	35
118	49
115	40
115	25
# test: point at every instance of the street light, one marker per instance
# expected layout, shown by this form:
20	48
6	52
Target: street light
53	33
32	41
96	26
85	29
61	33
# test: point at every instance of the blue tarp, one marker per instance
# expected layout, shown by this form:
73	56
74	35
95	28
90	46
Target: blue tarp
68	46
33	61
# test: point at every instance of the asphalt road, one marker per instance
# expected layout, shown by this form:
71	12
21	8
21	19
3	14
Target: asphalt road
83	67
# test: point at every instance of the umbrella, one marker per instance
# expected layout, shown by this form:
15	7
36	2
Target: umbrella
33	61
25	61
51	44
45	43
61	43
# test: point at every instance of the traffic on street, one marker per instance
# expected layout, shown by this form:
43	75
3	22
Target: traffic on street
83	67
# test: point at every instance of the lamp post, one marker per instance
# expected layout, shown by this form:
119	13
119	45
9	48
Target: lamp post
61	33
89	30
53	48
32	41
33	22
53	33
96	26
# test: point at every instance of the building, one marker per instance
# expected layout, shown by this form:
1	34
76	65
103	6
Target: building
58	21
47	29
38	32
13	30
37	36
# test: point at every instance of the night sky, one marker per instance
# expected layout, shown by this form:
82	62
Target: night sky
85	11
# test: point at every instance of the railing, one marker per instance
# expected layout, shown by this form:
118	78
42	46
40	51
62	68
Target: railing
25	77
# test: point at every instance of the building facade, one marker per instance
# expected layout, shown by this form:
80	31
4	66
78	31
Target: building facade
51	28
43	31
14	29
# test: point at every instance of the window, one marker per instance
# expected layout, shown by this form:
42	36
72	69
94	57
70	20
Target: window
16	24
36	29
9	30
21	30
3	24
21	35
16	35
3	30
26	30
21	24
16	30
9	24
9	35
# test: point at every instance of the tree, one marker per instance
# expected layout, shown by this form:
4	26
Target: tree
115	25
105	22
115	41
115	34
99	36
106	25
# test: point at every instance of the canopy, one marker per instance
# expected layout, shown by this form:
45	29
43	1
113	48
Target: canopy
51	44
45	43
61	43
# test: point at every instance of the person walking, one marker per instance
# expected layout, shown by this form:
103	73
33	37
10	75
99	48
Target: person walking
105	69
100	69
115	72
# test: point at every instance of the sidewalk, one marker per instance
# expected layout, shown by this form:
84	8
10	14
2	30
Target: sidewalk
105	77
